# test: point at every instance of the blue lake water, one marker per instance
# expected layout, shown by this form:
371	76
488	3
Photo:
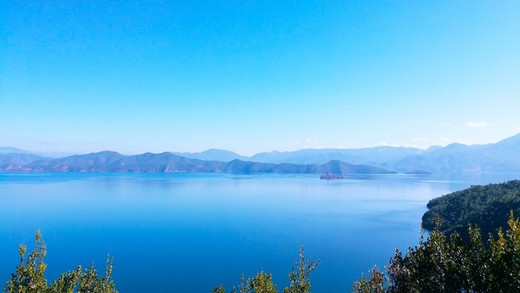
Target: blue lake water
189	232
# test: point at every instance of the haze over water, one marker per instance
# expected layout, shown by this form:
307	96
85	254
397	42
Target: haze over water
189	232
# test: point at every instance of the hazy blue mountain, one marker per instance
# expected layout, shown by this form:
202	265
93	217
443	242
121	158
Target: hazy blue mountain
95	162
239	166
13	160
503	156
214	155
375	155
12	150
108	161
340	167
332	166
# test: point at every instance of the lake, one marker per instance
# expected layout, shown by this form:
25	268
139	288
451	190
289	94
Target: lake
189	232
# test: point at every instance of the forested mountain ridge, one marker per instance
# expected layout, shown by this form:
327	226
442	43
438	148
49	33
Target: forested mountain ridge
487	206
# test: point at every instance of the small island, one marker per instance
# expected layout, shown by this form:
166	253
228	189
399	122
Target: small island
330	176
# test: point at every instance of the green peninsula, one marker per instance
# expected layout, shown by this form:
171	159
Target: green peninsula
487	206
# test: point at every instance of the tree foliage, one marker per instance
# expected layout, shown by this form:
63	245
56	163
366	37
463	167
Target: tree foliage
299	281
486	206
29	276
299	275
439	264
377	282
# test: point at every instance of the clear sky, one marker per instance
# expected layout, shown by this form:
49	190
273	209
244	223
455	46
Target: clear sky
252	76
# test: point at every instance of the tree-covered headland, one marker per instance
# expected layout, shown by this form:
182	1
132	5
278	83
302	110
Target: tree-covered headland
486	206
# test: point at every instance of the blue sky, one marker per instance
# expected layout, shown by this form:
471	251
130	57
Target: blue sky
252	76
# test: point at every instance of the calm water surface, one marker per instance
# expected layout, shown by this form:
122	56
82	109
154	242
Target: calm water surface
189	232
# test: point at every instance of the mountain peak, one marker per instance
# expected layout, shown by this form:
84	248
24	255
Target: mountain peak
218	151
106	152
213	155
11	150
515	139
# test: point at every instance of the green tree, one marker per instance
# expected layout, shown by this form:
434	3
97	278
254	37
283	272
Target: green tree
504	258
376	282
29	276
441	265
299	281
244	286
263	282
218	289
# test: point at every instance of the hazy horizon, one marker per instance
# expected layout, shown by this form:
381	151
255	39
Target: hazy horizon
65	153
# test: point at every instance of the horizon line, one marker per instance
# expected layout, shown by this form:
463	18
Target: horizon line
70	153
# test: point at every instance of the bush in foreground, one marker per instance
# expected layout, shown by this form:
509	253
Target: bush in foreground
29	275
299	281
439	264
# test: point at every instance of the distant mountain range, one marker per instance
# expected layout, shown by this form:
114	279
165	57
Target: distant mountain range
216	155
108	161
11	150
503	156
